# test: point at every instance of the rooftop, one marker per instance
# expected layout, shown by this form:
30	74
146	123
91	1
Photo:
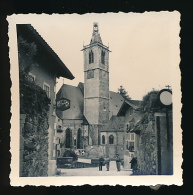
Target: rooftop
28	32
116	123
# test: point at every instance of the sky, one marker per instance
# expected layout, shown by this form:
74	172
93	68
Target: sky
144	46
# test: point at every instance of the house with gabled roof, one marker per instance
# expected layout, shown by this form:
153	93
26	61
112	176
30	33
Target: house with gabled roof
44	70
131	110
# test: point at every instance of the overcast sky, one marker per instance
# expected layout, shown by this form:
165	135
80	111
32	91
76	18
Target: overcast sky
143	46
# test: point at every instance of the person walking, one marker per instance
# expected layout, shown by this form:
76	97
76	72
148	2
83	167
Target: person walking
118	162
101	162
134	164
107	162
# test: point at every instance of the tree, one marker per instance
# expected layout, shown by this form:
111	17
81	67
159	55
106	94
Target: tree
26	53
123	93
149	102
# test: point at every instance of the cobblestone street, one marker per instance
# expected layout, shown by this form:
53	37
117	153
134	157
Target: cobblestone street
94	171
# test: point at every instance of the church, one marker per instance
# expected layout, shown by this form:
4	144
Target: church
89	116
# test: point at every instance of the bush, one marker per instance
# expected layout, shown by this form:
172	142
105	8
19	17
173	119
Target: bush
70	153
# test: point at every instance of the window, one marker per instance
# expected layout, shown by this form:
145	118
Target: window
85	130
102	57
130	142
103	139
90	74
131	111
46	88
132	136
91	57
59	129
31	77
111	139
74	142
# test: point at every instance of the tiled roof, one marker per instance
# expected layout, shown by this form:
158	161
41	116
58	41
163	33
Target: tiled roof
76	98
129	103
81	86
116	123
29	33
115	103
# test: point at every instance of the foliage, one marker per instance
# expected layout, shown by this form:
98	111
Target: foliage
35	104
26	53
149	102
149	106
70	153
33	99
123	93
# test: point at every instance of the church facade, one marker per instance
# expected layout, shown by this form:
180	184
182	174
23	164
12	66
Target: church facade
90	124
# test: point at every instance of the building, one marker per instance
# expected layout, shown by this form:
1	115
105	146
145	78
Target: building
91	123
46	66
131	111
148	135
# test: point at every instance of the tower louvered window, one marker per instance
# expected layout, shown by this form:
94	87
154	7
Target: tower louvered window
111	139
102	57
91	57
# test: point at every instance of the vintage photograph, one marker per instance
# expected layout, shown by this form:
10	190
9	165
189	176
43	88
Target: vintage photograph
96	96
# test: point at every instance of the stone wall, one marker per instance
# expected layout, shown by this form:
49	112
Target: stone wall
33	146
155	146
147	151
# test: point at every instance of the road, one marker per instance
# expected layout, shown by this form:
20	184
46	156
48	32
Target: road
94	171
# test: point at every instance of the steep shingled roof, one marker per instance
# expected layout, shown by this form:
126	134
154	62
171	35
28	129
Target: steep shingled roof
129	103
76	98
116	123
115	103
28	32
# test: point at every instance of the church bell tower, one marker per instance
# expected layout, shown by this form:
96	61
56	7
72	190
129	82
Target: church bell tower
96	84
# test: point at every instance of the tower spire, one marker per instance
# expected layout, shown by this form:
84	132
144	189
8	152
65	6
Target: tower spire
96	38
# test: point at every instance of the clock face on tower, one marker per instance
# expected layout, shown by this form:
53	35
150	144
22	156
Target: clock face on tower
63	104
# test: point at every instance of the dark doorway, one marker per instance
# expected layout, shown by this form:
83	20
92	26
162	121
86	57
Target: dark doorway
79	144
68	138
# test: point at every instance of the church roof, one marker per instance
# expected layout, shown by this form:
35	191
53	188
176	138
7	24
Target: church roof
115	103
76	98
45	52
116	123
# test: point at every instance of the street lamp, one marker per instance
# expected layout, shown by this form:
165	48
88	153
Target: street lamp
165	101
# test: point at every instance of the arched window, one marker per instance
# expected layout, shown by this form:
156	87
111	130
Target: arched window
103	139
79	140
102	57
91	57
68	138
111	139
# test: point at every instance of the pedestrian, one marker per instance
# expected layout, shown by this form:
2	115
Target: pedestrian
101	163
134	164
118	162
107	161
